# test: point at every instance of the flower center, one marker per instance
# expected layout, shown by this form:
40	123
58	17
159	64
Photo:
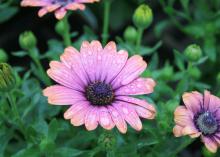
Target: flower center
62	2
100	94
207	123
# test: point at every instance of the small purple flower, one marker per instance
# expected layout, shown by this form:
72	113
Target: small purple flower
199	117
59	6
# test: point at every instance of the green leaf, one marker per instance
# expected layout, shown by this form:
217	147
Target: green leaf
20	53
68	152
53	130
179	60
7	13
28	152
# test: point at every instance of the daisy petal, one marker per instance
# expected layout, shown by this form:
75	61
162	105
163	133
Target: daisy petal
118	119
105	119
74	109
91	119
63	75
129	115
60	95
133	68
210	144
137	87
192	102
79	118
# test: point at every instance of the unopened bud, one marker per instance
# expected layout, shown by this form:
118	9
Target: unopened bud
130	34
7	78
193	52
27	40
143	16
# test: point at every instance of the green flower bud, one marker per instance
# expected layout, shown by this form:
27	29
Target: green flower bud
7	78
3	56
167	73
27	40
107	141
130	34
143	16
193	52
195	73
60	27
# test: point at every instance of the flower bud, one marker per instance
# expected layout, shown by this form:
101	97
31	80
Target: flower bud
195	73
130	34
193	52
27	40
3	56
107	141
143	16
167	73
7	78
60	27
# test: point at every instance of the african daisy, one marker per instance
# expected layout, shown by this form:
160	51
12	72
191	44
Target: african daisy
98	84
59	6
199	117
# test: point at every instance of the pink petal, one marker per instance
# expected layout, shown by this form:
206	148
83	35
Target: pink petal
75	109
60	13
108	55
71	58
182	116
118	119
75	6
79	118
64	76
137	87
211	102
210	144
60	95
89	57
129	115
43	11
192	102
177	131
134	101
115	66
133	68
145	113
34	3
190	130
105	119
91	119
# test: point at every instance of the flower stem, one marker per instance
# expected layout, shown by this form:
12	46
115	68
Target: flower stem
139	38
105	35
43	75
16	113
66	33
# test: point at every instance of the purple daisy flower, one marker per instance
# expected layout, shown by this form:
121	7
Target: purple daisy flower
59	6
98	84
199	117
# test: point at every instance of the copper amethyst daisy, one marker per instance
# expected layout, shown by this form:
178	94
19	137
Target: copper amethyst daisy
199	117
98	84
59	6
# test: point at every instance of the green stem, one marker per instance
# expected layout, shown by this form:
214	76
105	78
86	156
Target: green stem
105	35
139	38
16	113
66	33
43	75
